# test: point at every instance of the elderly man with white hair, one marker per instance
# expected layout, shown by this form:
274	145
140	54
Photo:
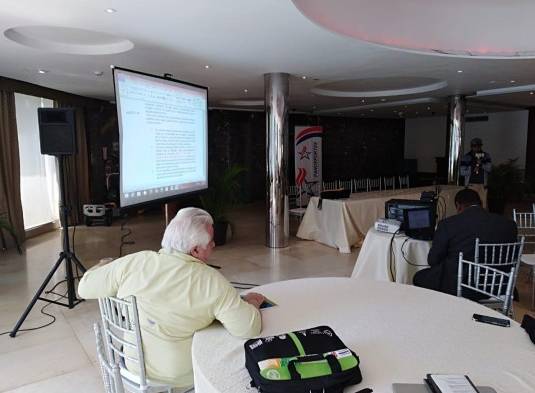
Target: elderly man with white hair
177	294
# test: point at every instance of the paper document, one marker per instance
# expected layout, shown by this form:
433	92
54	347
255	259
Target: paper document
452	383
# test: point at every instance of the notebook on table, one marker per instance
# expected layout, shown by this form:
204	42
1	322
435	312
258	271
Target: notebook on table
422	388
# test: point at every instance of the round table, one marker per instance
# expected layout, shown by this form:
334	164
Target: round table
400	333
376	262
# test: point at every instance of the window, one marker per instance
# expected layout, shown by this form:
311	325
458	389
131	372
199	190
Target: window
38	175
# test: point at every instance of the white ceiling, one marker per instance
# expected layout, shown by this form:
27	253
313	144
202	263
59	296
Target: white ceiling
241	40
485	28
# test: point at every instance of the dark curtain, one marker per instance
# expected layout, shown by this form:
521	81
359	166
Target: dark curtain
77	169
10	200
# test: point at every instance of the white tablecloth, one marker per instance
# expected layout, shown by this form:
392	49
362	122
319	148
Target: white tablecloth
375	261
400	333
343	223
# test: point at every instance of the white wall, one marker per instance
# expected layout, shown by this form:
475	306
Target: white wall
504	136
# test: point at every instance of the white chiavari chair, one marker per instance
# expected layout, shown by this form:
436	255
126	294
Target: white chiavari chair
525	223
389	183
503	256
122	336
110	372
375	184
346	184
404	181
488	281
300	210
360	185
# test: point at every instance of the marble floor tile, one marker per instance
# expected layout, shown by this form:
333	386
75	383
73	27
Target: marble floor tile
84	380
40	362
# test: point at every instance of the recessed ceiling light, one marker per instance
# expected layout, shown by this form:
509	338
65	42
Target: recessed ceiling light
206	66
41	71
111	10
363	101
383	99
531	93
98	73
459	71
245	91
428	108
512	81
304	77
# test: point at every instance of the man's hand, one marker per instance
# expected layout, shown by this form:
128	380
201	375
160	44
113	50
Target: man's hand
254	299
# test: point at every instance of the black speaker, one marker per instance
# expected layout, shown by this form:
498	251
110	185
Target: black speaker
57	131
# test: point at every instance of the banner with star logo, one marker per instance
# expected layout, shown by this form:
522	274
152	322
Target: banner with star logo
308	141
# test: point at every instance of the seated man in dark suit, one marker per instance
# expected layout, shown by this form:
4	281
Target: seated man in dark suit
458	234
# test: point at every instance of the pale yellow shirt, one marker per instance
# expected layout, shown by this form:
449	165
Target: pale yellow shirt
176	295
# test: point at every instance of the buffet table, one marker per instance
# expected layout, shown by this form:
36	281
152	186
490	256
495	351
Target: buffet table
342	223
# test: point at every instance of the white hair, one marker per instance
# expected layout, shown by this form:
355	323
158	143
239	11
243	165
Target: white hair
187	230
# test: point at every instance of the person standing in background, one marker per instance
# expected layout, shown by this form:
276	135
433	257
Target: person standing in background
476	165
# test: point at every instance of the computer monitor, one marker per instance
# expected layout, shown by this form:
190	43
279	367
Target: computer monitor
420	223
394	208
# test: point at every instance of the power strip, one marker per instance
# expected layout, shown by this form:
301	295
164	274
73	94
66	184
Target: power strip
387	225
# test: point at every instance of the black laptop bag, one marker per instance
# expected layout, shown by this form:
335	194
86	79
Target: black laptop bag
306	361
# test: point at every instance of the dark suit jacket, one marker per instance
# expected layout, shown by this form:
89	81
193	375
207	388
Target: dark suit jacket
458	234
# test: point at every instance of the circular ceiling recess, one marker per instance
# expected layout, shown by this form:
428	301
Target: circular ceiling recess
465	28
379	87
68	40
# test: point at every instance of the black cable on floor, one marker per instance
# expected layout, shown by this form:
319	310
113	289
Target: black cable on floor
124	242
64	296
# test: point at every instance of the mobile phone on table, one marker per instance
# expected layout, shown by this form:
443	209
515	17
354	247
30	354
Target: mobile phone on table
491	320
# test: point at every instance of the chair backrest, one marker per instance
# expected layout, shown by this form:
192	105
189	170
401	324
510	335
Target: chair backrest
332	185
488	281
111	373
524	220
292	191
315	188
374	184
346	184
525	223
122	334
389	183
360	185
299	199
498	254
404	181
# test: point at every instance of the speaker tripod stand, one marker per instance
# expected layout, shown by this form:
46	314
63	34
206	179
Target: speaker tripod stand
66	257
